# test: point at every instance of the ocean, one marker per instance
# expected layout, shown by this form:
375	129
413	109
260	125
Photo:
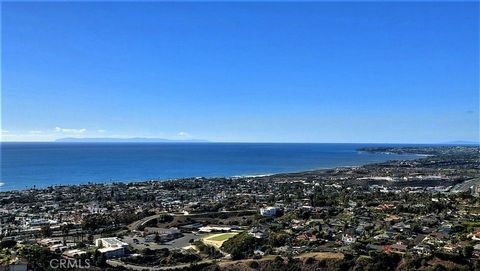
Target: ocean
25	165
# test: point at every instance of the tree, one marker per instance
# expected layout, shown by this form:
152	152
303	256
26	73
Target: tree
165	218
8	244
254	265
46	231
37	257
240	246
99	259
277	239
467	251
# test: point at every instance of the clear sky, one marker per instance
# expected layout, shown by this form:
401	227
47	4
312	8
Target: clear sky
260	72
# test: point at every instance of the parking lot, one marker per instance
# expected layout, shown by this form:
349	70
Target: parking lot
177	243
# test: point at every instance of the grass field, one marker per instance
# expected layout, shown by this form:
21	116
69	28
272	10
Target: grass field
222	237
218	239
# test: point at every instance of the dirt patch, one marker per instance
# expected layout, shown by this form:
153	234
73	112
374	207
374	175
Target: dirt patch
321	256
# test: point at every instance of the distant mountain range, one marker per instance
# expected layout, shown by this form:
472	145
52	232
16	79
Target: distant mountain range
126	140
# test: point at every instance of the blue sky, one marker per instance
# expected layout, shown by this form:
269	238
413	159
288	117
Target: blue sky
257	72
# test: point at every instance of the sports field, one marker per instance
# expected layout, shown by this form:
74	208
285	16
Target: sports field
218	239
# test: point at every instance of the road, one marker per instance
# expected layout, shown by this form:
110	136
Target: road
465	186
152	268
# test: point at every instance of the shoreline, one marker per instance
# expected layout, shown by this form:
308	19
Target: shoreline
245	176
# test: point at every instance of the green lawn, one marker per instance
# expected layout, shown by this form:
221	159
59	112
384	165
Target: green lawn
222	237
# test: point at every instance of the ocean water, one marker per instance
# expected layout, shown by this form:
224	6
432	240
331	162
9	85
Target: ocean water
25	165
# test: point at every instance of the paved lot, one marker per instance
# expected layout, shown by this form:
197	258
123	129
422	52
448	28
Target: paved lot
177	243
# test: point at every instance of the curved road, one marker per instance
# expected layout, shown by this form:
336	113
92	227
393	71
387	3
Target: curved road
152	268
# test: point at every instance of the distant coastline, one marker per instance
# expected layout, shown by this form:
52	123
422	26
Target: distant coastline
400	153
25	165
244	176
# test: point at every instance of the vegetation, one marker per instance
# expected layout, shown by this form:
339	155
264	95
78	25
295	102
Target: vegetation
209	251
240	246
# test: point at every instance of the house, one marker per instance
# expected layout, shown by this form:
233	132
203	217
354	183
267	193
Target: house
476	236
445	228
49	242
257	233
58	248
360	230
150	238
217	228
269	211
336	223
401	226
164	235
258	252
422	249
111	247
110	242
383	236
476	250
452	248
190	227
73	253
377	248
398	248
348	239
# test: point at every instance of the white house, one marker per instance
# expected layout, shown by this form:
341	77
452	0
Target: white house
269	211
111	247
110	242
348	239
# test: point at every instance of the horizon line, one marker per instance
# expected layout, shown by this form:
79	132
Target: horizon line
459	142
